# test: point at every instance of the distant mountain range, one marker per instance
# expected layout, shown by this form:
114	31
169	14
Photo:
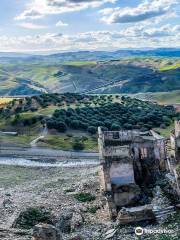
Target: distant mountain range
14	55
96	55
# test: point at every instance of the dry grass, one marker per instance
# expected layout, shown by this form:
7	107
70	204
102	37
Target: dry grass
4	101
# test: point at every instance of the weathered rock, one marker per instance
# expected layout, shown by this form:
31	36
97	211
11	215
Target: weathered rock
160	201
46	232
161	205
76	237
69	221
109	234
178	206
77	220
7	203
64	222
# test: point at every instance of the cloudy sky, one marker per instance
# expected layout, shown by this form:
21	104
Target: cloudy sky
46	26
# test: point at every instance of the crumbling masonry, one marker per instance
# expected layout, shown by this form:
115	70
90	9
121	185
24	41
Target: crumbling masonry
174	160
129	159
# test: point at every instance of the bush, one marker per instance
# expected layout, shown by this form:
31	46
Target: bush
92	129
69	135
51	123
85	197
115	127
74	124
61	127
16	120
78	145
92	209
32	216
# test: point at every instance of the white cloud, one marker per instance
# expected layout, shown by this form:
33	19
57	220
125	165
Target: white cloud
61	24
148	9
131	37
40	8
29	25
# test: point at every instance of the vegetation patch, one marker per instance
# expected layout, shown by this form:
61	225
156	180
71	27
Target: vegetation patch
4	101
80	114
69	142
170	67
130	114
32	216
80	63
85	197
92	209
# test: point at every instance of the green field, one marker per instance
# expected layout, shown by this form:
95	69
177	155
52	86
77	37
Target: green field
80	63
170	67
165	132
167	97
64	142
172	97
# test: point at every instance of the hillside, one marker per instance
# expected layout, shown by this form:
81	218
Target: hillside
131	75
72	119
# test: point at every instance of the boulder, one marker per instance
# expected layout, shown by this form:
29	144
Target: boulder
46	232
7	203
64	222
110	234
77	220
69	221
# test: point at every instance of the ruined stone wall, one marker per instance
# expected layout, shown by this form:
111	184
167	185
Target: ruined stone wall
123	136
177	128
177	177
128	159
135	214
177	141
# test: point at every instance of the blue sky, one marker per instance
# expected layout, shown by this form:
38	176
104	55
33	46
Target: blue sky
45	26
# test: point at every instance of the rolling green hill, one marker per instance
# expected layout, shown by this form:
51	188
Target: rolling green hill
131	75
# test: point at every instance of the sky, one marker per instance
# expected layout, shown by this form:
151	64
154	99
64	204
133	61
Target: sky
49	26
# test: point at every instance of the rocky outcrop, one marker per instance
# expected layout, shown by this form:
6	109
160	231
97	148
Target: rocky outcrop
46	232
69	221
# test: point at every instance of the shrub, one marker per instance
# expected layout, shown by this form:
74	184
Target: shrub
61	127
75	124
92	209
115	127
16	120
92	129
78	145
32	216
69	135
85	197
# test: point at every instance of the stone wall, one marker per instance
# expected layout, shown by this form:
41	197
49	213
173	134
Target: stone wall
128	159
135	214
